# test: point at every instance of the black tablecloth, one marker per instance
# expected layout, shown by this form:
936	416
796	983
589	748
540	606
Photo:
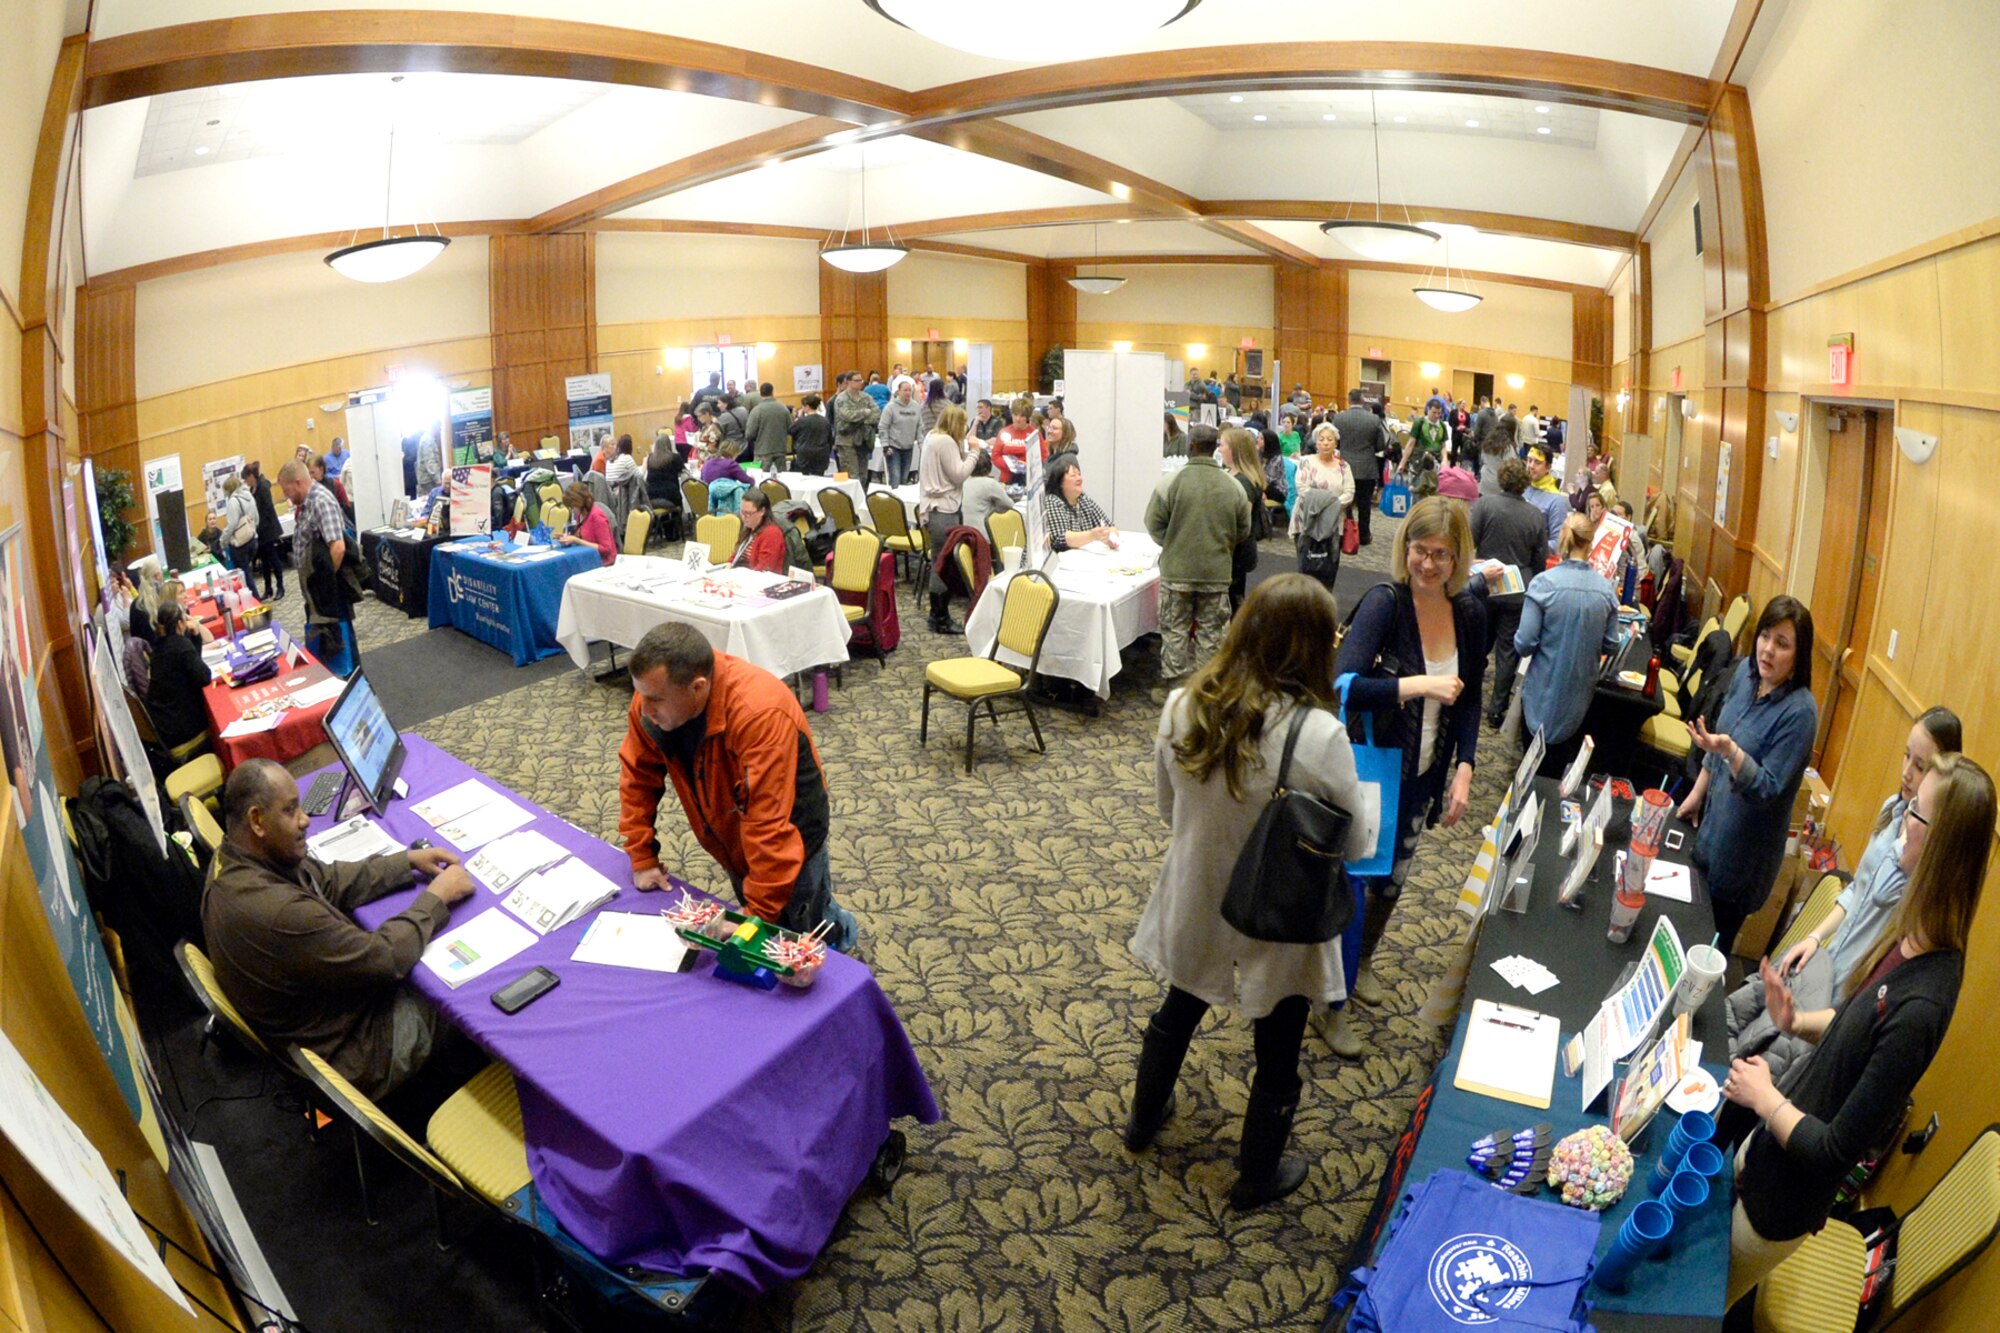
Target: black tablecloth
1572	943
1617	712
401	559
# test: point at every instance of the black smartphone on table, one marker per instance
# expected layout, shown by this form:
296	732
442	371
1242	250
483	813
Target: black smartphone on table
524	990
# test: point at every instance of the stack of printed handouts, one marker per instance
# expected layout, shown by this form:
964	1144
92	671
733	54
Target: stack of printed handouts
1526	973
559	895
358	839
506	862
471	814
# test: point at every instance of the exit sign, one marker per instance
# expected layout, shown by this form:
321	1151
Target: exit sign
1840	359
1374	354
932	334
722	340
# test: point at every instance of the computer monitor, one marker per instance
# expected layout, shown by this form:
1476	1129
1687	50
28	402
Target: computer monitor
369	748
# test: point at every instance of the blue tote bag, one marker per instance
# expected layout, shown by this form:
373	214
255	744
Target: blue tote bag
1381	771
1395	499
1467	1253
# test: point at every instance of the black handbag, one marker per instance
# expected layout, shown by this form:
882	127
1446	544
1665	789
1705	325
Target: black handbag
1289	885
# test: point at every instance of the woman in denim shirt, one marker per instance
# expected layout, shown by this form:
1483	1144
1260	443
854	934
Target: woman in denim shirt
1754	759
1569	621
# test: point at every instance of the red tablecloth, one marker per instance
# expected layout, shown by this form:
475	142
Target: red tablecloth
297	732
208	613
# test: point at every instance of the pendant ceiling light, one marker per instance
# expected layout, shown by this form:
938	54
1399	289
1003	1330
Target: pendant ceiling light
1378	238
1095	284
388	258
995	30
1452	300
865	255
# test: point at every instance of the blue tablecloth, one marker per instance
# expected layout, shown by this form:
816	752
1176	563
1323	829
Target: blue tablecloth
511	605
676	1121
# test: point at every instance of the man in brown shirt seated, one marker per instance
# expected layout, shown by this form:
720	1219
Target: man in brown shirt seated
289	956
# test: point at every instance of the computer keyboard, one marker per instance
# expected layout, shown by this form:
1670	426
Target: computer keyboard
319	797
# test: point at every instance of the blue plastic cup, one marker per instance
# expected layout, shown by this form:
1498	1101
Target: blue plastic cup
1694	1127
1686	1192
1704	1159
1644	1230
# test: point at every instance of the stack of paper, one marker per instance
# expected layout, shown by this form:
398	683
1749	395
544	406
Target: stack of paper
359	839
559	895
475	948
471	814
319	692
505	862
1526	973
632	939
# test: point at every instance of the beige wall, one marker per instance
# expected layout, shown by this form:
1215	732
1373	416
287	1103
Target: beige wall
643	277
923	285
1678	309
1874	125
1172	294
291	310
1529	320
34	33
1621	318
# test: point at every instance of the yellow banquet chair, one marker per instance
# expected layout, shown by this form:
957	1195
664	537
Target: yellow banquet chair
774	490
477	1133
637	525
1819	1285
197	779
556	519
370	1121
719	533
893	522
1004	528
856	554
838	505
550	493
1668	732
975	681
1734	619
202	824
696	495
199	974
1684	653
1813	911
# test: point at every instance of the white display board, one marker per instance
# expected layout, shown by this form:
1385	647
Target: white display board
1117	402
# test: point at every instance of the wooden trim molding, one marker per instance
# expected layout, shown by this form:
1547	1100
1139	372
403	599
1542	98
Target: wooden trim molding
1916	254
1499	224
283	245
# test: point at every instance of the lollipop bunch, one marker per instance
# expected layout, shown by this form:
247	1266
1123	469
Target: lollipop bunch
1591	1168
692	913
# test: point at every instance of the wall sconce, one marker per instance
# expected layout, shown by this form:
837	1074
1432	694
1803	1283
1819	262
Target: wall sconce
1789	420
676	358
1121	346
1197	351
1688	408
1517	381
765	351
1917	446
1623	398
961	345
1431	370
903	346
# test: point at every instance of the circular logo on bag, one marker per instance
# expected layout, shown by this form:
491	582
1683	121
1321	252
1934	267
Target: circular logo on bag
1465	1265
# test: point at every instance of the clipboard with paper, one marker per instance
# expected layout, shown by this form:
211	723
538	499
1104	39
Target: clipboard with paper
1509	1053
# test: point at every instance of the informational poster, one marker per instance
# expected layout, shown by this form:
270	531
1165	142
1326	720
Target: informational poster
1722	482
1608	547
214	474
130	750
471	499
808	379
96	524
472	427
166	509
589	411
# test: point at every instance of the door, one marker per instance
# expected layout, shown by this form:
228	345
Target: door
1465	388
1670	469
1853	536
736	364
979	372
1482	387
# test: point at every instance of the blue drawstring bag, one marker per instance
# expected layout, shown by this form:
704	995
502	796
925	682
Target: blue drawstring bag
1395	500
1466	1253
1381	768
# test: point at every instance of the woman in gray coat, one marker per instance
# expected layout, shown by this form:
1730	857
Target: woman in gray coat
1216	760
902	425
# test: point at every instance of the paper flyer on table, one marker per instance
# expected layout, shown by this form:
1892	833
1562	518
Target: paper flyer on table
477	947
505	862
250	726
358	839
42	1132
483	824
632	939
454	802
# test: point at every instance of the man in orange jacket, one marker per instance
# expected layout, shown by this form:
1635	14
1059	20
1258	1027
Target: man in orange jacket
736	746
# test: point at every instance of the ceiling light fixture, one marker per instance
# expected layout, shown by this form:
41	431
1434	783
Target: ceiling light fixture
1401	119
1329	116
1541	129
1260	117
1236	97
864	255
1378	238
1095	284
388	258
1451	300
985	30
1472	124
1543	110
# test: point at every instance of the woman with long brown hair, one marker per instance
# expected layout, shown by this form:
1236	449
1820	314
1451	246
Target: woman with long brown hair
1216	757
1812	1127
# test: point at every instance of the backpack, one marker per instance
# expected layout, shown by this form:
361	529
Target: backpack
151	898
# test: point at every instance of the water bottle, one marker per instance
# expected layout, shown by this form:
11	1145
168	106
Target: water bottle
1653	676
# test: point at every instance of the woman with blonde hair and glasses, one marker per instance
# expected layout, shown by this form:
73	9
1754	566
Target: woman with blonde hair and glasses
1216	757
1414	659
1807	1130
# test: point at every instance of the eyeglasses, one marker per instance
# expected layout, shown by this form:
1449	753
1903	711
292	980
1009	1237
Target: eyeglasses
1918	817
1433	555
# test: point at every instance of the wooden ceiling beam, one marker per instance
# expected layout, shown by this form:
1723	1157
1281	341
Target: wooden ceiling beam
1498	224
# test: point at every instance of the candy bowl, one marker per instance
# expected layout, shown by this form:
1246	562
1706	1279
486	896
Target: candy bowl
796	958
1591	1168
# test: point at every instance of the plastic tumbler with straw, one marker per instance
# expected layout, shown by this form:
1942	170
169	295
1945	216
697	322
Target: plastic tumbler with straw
1644	1230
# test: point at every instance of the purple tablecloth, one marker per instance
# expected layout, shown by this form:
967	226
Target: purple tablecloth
679	1122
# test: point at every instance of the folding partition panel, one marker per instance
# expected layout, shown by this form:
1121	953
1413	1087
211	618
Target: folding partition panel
1117	401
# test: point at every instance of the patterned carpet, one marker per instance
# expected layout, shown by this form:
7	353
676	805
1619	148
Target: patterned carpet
996	909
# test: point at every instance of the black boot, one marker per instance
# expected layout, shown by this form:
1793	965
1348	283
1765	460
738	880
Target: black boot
1374	920
1153	1093
941	615
1263	1172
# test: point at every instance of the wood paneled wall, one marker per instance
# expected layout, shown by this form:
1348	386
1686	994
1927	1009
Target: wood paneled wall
1590	342
1051	313
853	322
106	390
543	304
1310	308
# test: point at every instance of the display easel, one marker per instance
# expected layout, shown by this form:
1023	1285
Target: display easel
1250	377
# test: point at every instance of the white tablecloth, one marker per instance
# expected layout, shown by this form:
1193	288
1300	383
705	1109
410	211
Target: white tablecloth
620	603
1098	614
807	488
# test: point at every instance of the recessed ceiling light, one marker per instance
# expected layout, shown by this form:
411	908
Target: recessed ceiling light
1543	110
1472	124
1329	116
1236	97
201	152
1541	129
1401	119
1260	116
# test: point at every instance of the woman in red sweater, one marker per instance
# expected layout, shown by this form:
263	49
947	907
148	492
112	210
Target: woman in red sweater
763	544
593	526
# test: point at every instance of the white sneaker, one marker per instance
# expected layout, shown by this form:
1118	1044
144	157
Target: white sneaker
1367	990
1338	1029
